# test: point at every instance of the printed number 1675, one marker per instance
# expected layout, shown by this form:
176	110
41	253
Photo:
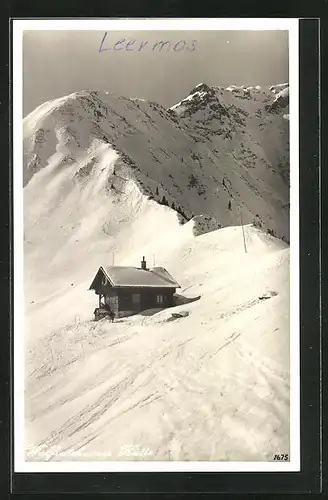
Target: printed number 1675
283	457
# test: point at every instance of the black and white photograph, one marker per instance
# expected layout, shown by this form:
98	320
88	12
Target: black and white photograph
155	218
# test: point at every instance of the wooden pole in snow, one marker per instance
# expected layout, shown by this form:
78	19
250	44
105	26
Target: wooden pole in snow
153	260
242	228
113	258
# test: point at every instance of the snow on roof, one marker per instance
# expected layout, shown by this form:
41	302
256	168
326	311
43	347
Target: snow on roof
136	277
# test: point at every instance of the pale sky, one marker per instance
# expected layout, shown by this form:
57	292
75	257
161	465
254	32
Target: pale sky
57	63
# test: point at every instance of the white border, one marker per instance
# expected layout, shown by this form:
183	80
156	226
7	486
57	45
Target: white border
19	26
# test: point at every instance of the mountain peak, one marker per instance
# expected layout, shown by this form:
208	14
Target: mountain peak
201	87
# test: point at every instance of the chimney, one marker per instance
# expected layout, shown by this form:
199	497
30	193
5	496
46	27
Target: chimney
143	264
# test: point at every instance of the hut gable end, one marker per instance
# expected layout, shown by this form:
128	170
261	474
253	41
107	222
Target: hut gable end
101	279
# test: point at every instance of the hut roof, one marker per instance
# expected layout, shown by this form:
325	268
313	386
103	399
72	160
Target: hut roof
122	276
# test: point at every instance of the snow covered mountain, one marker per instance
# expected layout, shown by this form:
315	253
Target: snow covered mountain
216	146
111	178
252	120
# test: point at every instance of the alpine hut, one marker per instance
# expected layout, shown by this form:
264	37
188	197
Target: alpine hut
124	291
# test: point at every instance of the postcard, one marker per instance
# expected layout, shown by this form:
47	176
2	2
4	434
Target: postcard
156	314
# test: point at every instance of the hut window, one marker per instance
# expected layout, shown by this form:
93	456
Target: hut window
136	298
159	299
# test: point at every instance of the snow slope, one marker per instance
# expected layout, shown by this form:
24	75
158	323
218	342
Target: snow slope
211	386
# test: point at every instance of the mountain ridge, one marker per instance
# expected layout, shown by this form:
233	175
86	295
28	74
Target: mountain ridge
163	151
